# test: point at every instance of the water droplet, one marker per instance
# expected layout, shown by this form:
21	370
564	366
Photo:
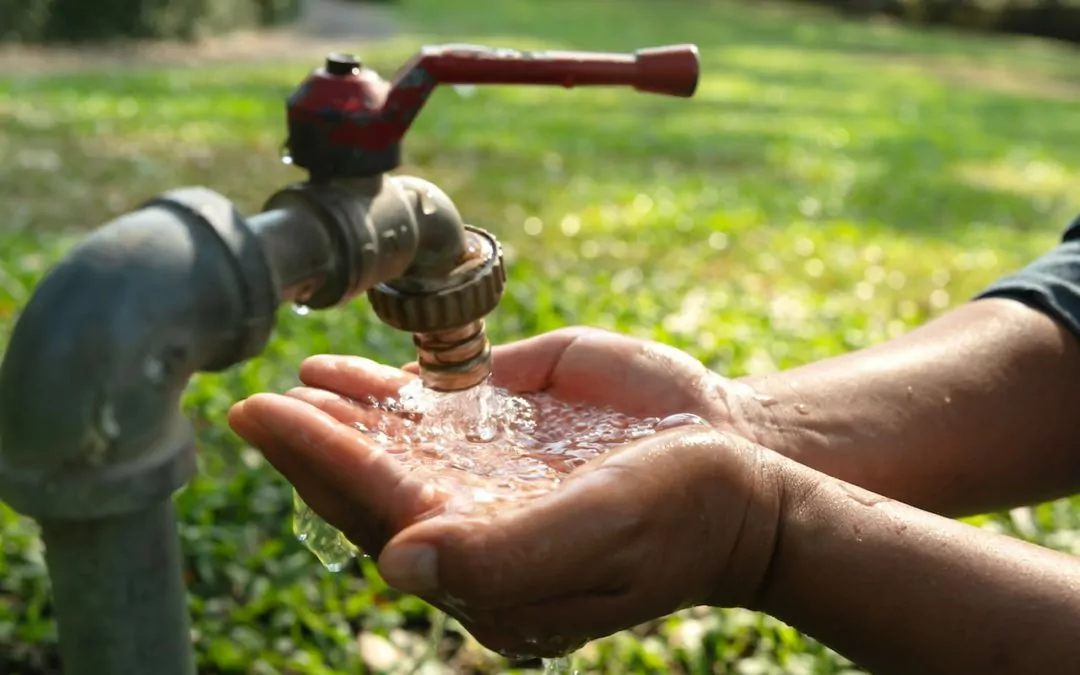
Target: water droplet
802	408
559	666
765	401
107	423
301	310
427	202
154	369
680	420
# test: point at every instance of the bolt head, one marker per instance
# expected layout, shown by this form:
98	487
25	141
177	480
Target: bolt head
342	64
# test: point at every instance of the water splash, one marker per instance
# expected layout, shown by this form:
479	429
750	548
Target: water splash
428	205
438	632
329	545
484	447
301	310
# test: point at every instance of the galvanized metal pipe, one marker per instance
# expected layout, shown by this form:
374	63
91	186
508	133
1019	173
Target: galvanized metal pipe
119	595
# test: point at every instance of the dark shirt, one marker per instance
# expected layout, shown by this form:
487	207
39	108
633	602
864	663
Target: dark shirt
1050	284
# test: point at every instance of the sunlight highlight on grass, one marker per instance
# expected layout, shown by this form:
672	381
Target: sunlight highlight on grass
832	185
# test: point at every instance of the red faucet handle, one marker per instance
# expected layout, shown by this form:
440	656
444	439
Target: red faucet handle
345	120
671	70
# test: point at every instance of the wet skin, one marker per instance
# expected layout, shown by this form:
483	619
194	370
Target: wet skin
710	516
597	575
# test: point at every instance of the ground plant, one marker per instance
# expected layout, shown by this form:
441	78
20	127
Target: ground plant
833	184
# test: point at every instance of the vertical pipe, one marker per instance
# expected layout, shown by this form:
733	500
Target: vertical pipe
93	443
119	595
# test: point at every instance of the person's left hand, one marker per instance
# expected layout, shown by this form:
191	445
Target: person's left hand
685	517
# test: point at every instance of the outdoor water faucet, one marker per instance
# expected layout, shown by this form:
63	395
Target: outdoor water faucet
346	126
92	439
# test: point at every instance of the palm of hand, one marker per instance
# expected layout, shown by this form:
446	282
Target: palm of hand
309	435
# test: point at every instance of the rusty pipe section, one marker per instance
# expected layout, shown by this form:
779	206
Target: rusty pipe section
93	442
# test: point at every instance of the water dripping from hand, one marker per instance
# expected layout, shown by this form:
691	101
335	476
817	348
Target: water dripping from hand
560	666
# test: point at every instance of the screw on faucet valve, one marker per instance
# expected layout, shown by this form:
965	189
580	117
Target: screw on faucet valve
343	64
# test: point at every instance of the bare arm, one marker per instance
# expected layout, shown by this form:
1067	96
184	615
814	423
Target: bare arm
903	591
975	411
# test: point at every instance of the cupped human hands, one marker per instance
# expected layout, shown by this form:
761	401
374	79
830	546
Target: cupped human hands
684	517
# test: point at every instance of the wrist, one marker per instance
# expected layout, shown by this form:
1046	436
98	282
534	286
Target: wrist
744	568
801	518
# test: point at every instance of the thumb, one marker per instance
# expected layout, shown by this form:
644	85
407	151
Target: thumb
488	565
582	537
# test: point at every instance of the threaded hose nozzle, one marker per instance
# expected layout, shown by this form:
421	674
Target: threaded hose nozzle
454	360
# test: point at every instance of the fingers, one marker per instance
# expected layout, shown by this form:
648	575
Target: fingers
343	409
353	376
346	410
326	502
598	367
527	365
636	377
579	364
340	459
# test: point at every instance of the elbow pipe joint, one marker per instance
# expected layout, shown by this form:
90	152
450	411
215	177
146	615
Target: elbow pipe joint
370	230
457	274
90	386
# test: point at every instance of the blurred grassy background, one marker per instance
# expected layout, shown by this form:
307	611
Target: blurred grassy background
833	184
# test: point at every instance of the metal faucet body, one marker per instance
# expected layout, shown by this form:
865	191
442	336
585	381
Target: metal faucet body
93	443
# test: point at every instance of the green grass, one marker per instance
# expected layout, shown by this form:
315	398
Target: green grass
833	184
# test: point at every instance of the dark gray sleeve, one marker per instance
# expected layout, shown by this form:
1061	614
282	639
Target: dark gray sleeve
1050	284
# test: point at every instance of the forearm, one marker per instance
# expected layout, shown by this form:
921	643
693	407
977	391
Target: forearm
975	411
903	591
